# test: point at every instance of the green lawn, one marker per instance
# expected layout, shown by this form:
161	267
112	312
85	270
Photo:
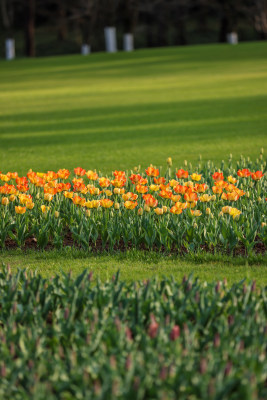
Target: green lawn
116	111
140	265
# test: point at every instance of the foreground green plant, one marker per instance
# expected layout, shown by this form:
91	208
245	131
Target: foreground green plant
68	338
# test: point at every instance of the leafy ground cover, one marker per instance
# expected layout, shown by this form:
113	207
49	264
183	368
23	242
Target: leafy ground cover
118	111
159	339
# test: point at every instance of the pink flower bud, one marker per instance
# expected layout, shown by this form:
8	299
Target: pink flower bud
66	313
203	366
128	362
175	332
217	340
128	333
153	327
228	368
163	373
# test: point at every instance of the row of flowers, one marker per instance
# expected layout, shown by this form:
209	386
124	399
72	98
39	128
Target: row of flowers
203	193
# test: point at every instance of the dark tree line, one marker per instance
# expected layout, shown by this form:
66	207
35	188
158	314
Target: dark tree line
159	22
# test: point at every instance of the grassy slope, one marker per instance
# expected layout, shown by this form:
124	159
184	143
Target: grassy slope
117	111
139	265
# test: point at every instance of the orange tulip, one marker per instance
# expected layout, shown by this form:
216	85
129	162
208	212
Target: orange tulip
231	179
135	178
5	201
79	171
182	174
29	205
159	181
104	182
158	211
63	173
130	205
150	201
180	189
233	196
166	194
91	175
106	203
175	210
141	188
196	213
257	175
218	176
243	173
200	187
190	196
151	171
129	196
20	210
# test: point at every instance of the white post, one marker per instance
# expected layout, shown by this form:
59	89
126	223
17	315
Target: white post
10	49
85	49
128	42
110	39
232	38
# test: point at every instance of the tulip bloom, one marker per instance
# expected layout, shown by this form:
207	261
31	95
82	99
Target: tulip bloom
130	205
29	205
231	179
180	189
243	173
196	213
200	187
158	211
79	171
205	198
159	181
182	174
129	196
166	194
230	196
106	203
173	183
154	188
196	177
234	212
20	210
5	201
141	189
218	176
63	173
48	197
68	195
104	182
135	178
257	175
118	183
91	175
190	196
151	171
176	210
175	198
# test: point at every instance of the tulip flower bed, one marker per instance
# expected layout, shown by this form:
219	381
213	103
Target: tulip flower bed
68	338
178	210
